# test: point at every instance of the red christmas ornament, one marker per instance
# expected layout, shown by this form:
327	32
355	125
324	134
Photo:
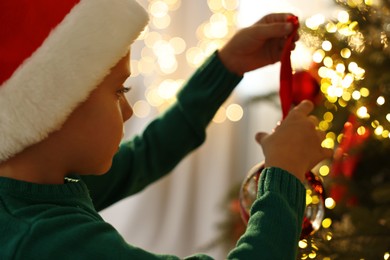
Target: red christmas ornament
338	192
314	212
304	86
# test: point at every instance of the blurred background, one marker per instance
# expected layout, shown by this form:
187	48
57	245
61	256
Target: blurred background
195	209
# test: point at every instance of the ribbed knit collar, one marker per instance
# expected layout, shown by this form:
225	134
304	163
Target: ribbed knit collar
73	187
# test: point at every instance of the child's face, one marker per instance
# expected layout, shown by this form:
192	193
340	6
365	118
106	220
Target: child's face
91	135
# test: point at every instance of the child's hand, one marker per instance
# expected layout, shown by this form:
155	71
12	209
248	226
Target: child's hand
258	45
295	145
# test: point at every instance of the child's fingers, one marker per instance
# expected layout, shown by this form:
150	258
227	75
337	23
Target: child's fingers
305	107
275	18
271	31
314	120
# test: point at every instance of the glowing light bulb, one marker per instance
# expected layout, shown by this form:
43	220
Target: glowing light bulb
234	112
315	21
326	223
380	100
356	95
230	5
159	9
362	112
326	45
324	171
318	56
365	92
345	53
302	243
343	16
361	130
328	143
340	68
379	130
330	203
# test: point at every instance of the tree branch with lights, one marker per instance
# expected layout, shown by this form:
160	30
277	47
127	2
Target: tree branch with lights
351	58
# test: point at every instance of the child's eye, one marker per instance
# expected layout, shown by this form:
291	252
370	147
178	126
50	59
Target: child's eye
123	90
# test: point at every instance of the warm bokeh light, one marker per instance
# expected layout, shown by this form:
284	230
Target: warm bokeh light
343	17
220	116
380	101
302	243
362	112
315	21
164	54
330	203
141	109
324	170
234	112
326	223
326	45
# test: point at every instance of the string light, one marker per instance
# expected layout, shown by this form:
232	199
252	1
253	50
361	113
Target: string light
339	75
324	170
141	108
302	243
326	223
315	21
356	95
343	17
330	203
362	112
380	101
234	112
342	83
328	143
318	56
345	53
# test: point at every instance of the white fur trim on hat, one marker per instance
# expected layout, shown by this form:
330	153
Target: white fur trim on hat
62	72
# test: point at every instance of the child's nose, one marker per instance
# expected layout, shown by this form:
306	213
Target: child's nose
127	110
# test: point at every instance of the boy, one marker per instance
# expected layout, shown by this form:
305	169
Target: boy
62	109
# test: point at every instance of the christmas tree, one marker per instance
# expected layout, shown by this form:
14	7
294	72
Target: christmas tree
351	55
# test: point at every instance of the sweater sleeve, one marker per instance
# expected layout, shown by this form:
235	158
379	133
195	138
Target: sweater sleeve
275	223
168	138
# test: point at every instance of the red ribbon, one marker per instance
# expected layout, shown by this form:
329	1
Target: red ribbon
286	100
286	87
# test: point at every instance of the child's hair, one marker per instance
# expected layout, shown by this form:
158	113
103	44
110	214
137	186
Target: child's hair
52	55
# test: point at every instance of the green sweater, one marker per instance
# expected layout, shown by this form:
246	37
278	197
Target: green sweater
62	221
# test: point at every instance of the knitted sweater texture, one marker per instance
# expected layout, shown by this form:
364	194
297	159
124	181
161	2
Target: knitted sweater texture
62	221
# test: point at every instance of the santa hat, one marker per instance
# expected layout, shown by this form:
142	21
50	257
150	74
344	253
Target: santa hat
52	55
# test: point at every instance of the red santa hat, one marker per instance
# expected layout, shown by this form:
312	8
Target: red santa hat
52	55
